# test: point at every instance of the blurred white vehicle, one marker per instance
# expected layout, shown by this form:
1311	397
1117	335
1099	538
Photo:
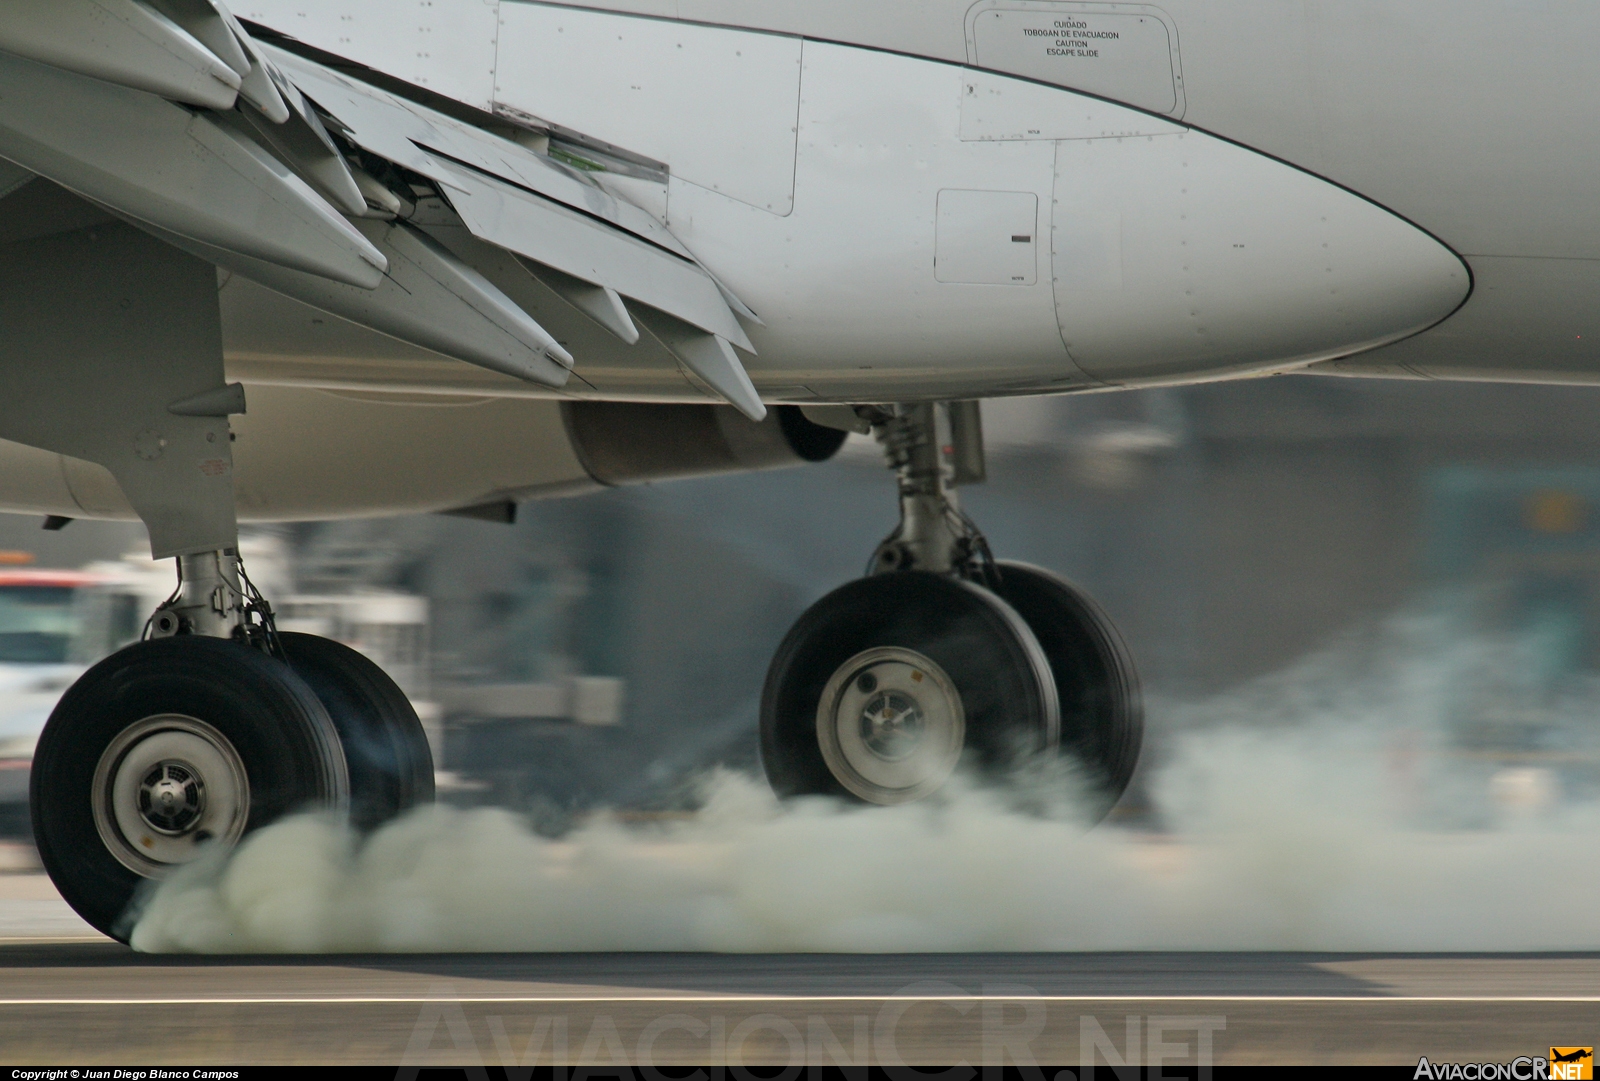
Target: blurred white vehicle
53	625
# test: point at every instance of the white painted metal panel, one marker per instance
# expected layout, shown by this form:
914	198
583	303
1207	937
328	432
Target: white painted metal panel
399	130
1087	243
1516	328
1150	285
997	107
429	299
122	42
846	282
1126	52
1204	257
711	359
269	338
717	105
549	233
161	164
987	237
446	47
204	19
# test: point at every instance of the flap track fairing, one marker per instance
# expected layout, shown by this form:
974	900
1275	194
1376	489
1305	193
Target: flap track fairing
120	41
160	164
310	182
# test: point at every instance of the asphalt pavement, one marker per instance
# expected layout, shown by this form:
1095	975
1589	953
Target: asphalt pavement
70	998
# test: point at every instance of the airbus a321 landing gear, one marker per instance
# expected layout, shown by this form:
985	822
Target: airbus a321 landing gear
944	657
213	727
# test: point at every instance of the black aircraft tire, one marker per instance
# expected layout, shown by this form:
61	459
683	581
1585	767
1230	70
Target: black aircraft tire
1102	718
987	695
385	747
216	701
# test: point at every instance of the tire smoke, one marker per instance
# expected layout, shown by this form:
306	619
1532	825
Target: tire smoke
1311	812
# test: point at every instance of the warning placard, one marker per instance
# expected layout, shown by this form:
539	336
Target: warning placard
1125	55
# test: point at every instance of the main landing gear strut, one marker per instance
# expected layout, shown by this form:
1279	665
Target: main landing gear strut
215	724
944	658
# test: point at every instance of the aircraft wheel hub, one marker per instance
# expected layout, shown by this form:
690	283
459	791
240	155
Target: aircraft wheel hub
165	785
890	725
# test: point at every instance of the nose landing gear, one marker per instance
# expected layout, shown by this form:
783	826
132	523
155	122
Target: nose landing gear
944	657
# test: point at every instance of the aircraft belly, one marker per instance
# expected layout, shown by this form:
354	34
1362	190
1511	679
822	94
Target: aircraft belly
1183	255
902	228
848	283
912	228
1528	321
303	454
966	233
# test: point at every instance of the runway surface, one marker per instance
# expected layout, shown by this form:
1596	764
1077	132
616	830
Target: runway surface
69	998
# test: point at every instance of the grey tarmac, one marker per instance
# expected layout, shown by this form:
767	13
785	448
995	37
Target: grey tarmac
83	1002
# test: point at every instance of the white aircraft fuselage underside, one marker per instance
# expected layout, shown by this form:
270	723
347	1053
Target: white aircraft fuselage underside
906	227
940	199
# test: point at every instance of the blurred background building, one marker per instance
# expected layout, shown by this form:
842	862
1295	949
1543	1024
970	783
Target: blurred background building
608	648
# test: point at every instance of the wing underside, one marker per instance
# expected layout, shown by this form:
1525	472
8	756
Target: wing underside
344	196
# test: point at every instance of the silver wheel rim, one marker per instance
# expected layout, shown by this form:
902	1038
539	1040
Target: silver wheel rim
891	725
166	786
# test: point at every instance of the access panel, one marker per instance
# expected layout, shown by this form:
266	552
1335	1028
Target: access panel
987	237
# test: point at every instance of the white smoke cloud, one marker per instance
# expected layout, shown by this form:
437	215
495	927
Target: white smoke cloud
1324	808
